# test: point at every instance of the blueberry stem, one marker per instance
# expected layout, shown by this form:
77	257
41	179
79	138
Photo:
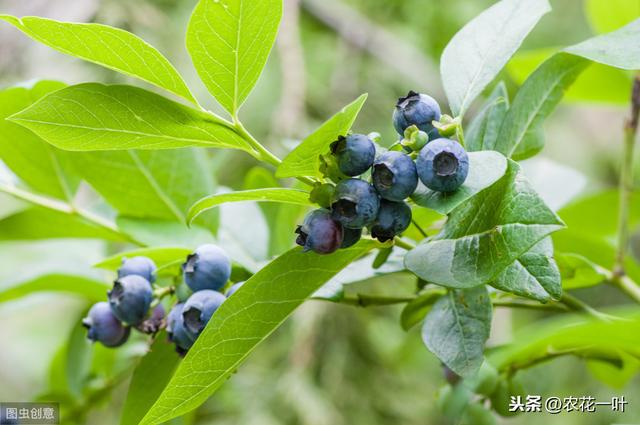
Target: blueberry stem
403	244
460	135
626	180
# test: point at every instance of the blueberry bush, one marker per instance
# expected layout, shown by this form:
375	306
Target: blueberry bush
445	202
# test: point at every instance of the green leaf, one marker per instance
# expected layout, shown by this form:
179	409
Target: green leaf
93	116
163	257
149	379
457	328
521	134
275	194
89	289
417	309
620	49
485	168
483	130
578	272
608	15
485	234
157	232
476	54
78	359
149	184
598	83
229	42
107	46
42	167
615	376
41	223
533	275
304	160
244	321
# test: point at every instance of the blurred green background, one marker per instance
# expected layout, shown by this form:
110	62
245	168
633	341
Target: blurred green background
329	364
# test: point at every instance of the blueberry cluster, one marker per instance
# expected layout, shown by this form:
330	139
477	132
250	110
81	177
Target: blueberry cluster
133	303
369	186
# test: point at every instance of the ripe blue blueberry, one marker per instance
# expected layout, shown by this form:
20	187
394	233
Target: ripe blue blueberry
354	154
443	165
208	267
393	218
394	176
319	232
233	289
419	110
351	237
176	331
130	299
355	203
153	323
198	310
141	266
104	327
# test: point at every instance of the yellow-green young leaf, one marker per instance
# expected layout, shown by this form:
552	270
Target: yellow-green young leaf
417	309
244	321
304	160
533	275
150	184
483	130
43	223
89	289
609	15
476	54
485	234
485	168
275	194
93	116
149	379
521	135
162	256
620	49
457	328
578	272
42	167
598	83
229	42
107	46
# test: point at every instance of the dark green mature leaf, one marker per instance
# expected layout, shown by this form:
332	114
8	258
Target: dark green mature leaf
620	49
42	167
521	133
89	289
485	234
476	54
42	223
275	194
93	116
229	42
304	160
162	256
244	321
149	379
578	272
533	275
485	168
457	328
149	184
107	46
483	130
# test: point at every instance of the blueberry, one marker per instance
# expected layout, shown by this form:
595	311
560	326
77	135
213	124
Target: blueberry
351	237
198	310
177	333
130	298
207	268
394	176
153	323
355	203
319	232
393	218
233	289
443	165
141	266
104	327
419	110
354	154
